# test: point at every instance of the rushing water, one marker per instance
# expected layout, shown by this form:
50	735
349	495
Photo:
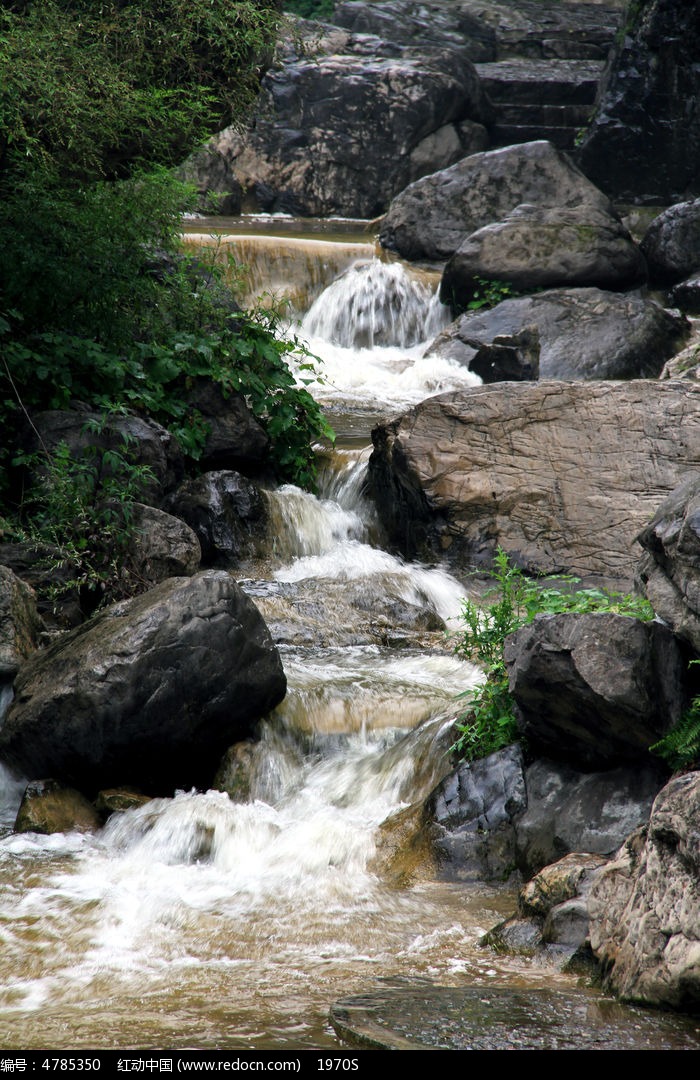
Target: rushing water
201	922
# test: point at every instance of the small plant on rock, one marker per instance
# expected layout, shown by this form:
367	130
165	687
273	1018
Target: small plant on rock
488	721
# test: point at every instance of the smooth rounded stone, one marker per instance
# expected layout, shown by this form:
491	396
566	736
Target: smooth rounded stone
557	474
421	1016
346	98
235	439
538	247
518	936
567	924
149	693
596	689
226	512
572	811
567	879
118	800
645	906
141	441
413	22
432	217
686	295
585	333
671	244
163	546
643	143
20	624
669	571
50	807
474	810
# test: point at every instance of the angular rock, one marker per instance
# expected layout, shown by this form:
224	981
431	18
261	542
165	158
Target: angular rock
509	357
537	247
669	572
20	624
684	365
432	217
234	775
235	439
583	333
342	128
410	22
570	878
141	441
473	810
163	546
572	811
643	144
645	906
686	295
548	28
671	244
596	689
50	807
226	512
557	474
149	693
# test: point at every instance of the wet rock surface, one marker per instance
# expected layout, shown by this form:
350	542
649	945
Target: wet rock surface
50	807
426	1017
671	244
226	512
572	811
163	546
150	692
555	473
583	333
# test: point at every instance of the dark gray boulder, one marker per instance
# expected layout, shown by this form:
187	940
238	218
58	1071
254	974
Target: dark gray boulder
413	22
234	439
671	244
686	295
163	546
644	142
583	333
595	690
569	810
348	120
537	247
149	693
432	217
669	571
645	906
227	513
474	809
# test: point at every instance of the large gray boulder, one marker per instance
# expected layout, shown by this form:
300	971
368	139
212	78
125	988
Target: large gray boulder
645	906
20	624
537	247
162	546
583	333
569	810
348	121
227	513
669	571
595	689
432	217
671	244
150	692
558	474
644	142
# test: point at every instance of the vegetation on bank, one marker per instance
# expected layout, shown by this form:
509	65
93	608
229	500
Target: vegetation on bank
488	722
97	103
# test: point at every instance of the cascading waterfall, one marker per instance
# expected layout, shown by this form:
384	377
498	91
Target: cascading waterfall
198	921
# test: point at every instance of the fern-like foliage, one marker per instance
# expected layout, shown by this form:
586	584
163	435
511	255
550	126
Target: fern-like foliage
680	748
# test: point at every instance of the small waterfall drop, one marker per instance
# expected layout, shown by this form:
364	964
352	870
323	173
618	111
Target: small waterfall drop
376	304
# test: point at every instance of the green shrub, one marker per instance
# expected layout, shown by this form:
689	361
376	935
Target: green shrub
488	723
680	748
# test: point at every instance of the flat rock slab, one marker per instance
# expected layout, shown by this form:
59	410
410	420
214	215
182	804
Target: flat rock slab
426	1017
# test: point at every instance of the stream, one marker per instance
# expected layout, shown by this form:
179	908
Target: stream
198	922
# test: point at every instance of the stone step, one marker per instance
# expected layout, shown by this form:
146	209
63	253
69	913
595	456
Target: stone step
544	115
541	82
507	134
